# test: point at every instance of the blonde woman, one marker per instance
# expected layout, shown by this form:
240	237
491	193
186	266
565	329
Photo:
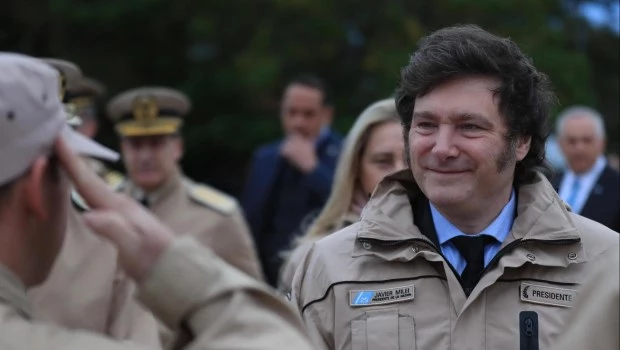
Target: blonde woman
373	149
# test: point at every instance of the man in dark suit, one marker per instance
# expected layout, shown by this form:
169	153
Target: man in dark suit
589	185
291	177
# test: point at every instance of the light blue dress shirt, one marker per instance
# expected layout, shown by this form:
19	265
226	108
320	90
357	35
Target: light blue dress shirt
499	229
587	181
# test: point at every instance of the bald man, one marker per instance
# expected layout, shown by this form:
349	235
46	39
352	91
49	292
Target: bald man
589	185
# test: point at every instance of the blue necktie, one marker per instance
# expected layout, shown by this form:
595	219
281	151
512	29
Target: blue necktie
574	192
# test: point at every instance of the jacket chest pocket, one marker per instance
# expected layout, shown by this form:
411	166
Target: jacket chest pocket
383	330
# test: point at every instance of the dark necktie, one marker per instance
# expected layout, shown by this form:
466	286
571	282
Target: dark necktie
472	249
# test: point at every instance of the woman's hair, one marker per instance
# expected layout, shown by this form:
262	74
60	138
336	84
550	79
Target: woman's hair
348	168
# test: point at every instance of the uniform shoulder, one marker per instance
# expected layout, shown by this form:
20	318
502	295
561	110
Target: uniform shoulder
114	179
211	198
596	238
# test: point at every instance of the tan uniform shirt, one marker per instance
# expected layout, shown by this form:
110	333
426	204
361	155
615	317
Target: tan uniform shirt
219	307
210	216
382	284
87	290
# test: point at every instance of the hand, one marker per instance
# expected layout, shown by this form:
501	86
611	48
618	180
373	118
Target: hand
358	201
140	237
300	152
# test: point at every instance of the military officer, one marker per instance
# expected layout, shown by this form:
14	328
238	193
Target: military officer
148	121
184	283
101	297
80	97
83	95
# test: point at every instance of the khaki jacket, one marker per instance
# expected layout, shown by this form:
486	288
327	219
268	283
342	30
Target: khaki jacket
296	256
594	322
87	290
218	306
382	284
208	215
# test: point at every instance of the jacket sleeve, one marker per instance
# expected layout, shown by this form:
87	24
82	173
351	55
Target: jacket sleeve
217	306
318	317
128	319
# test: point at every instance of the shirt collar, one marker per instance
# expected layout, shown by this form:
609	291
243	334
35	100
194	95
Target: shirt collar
499	228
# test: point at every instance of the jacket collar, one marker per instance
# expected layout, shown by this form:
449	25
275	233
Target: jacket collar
13	293
541	214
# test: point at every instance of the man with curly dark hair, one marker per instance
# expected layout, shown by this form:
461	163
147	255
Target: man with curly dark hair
471	247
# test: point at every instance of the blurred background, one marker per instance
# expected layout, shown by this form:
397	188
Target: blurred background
234	57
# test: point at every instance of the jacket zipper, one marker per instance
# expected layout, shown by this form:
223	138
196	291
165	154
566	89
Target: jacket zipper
528	329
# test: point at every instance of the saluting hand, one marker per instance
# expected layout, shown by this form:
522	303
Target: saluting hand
300	152
139	236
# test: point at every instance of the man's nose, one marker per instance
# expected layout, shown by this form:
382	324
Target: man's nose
444	147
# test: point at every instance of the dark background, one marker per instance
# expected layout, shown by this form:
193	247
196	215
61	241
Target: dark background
234	57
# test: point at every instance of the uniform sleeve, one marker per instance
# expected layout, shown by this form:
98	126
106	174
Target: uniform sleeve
318	316
19	334
215	305
233	242
128	319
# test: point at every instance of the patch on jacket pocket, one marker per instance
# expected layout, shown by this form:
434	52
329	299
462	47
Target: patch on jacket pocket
381	296
535	293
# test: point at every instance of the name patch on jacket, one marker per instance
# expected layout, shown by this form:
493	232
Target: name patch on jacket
534	293
380	296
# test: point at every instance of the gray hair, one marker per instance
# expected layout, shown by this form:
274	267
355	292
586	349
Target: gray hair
580	112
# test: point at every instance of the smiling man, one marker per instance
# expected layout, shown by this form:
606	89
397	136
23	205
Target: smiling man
470	247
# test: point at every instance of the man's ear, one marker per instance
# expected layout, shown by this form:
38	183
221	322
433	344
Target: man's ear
179	147
33	187
523	147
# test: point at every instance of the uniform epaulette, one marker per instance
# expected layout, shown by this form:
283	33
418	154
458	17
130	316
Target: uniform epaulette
78	202
114	179
212	198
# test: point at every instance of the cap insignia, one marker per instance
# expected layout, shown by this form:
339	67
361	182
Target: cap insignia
145	109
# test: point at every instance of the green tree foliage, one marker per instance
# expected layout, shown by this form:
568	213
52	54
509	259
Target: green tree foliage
234	57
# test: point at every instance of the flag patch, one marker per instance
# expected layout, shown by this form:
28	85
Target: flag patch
381	296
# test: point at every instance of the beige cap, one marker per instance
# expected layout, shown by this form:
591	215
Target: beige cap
148	111
32	116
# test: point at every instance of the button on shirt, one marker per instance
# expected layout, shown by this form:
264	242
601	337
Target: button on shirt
498	229
586	180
